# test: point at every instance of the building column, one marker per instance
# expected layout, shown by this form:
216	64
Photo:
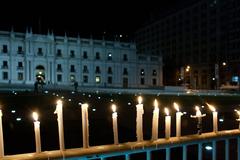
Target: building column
227	149
167	153
214	150
184	152
200	151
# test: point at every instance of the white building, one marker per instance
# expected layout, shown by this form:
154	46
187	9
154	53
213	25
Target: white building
24	57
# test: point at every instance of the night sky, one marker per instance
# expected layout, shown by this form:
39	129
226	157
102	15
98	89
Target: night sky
83	17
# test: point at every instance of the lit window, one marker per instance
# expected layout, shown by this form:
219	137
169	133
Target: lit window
109	56
72	78
98	79
142	73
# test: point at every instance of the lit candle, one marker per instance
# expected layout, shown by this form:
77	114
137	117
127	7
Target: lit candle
238	112
155	121
37	132
139	125
215	117
199	116
85	131
167	124
59	113
178	120
1	136
115	127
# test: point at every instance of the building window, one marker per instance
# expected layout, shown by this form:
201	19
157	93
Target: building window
5	65
72	68
154	81
72	54
20	65
142	81
97	55
125	71
20	50
59	53
85	69
40	53
5	49
20	76
85	79
109	80
109	56
72	78
154	72
98	79
125	58
5	75
85	56
142	73
109	70
59	78
59	68
97	71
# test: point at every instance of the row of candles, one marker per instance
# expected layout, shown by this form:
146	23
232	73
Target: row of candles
139	123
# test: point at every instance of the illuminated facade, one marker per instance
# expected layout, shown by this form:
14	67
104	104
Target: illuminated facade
26	58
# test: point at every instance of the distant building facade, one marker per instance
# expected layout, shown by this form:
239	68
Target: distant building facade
202	36
26	58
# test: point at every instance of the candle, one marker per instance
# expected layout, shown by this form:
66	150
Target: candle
155	121
199	116
85	131
238	112
215	117
167	124
37	132
139	125
178	120
1	136
59	113
115	127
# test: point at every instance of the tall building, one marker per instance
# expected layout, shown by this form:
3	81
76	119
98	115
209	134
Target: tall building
195	41
26	58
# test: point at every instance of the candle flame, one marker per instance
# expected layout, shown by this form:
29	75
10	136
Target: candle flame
139	100
197	108
59	102
211	107
35	116
166	111
114	108
155	104
1	112
176	106
238	112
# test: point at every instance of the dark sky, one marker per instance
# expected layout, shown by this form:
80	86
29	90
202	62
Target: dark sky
83	17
